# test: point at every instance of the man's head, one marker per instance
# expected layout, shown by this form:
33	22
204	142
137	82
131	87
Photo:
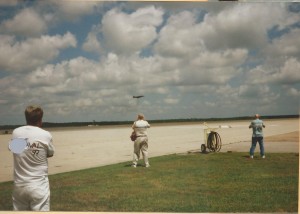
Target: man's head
34	115
256	116
141	117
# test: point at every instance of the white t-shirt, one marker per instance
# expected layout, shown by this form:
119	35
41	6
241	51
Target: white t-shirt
140	127
31	166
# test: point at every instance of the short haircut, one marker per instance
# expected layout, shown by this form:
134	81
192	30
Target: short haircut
141	117
33	114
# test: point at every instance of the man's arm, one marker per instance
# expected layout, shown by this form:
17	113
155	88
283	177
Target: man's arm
148	125
50	151
133	126
250	126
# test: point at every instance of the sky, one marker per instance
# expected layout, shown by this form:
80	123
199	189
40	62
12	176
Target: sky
85	60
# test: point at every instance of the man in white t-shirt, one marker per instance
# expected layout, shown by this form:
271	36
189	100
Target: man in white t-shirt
31	184
257	126
140	127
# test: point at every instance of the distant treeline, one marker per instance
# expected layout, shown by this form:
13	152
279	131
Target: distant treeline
106	123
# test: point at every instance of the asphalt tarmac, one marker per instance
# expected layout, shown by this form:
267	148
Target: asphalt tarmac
98	146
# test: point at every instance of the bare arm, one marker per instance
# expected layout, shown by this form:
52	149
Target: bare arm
133	126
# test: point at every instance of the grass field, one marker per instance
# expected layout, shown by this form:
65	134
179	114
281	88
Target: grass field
215	182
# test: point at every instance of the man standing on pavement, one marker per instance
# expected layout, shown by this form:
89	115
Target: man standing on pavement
140	127
257	126
31	185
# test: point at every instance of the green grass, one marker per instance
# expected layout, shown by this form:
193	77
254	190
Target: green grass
216	182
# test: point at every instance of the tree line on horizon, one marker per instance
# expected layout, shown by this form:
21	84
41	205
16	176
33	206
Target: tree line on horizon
105	123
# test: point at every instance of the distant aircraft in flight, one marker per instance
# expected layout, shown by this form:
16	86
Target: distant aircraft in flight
138	96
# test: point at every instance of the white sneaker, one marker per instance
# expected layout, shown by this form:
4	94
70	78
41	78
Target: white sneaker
263	156
147	165
133	165
251	156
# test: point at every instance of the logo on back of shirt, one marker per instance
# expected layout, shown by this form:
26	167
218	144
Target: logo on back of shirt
258	128
34	147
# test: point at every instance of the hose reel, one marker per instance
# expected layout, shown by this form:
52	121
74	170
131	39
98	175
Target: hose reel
213	141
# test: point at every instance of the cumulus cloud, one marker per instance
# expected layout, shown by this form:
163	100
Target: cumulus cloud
196	62
179	37
129	33
289	73
210	104
171	101
21	56
293	92
234	27
180	40
287	45
214	67
26	23
229	57
258	97
92	44
68	10
253	91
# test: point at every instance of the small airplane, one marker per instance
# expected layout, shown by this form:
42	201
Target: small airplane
138	96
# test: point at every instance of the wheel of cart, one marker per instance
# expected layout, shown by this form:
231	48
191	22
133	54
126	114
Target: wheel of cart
212	139
203	148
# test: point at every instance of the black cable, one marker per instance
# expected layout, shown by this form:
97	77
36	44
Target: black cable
214	142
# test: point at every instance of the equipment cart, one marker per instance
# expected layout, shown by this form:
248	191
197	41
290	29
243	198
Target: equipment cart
212	140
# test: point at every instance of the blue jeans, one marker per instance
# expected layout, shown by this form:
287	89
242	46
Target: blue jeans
260	141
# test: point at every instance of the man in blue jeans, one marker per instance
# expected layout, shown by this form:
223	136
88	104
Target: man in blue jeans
257	126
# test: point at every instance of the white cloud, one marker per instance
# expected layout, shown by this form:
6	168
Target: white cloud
210	104
258	95
171	101
26	23
234	27
257	98
212	67
294	92
179	37
289	73
16	55
258	74
129	33
71	10
222	65
253	91
185	53
45	77
288	45
92	44
227	58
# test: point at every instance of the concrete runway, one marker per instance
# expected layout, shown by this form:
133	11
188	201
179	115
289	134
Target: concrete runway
98	146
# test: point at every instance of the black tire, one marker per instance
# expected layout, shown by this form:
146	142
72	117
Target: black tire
203	148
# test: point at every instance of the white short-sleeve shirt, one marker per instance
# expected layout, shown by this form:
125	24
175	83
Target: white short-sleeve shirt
140	127
31	166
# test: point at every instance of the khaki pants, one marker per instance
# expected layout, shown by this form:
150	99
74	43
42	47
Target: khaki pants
140	145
